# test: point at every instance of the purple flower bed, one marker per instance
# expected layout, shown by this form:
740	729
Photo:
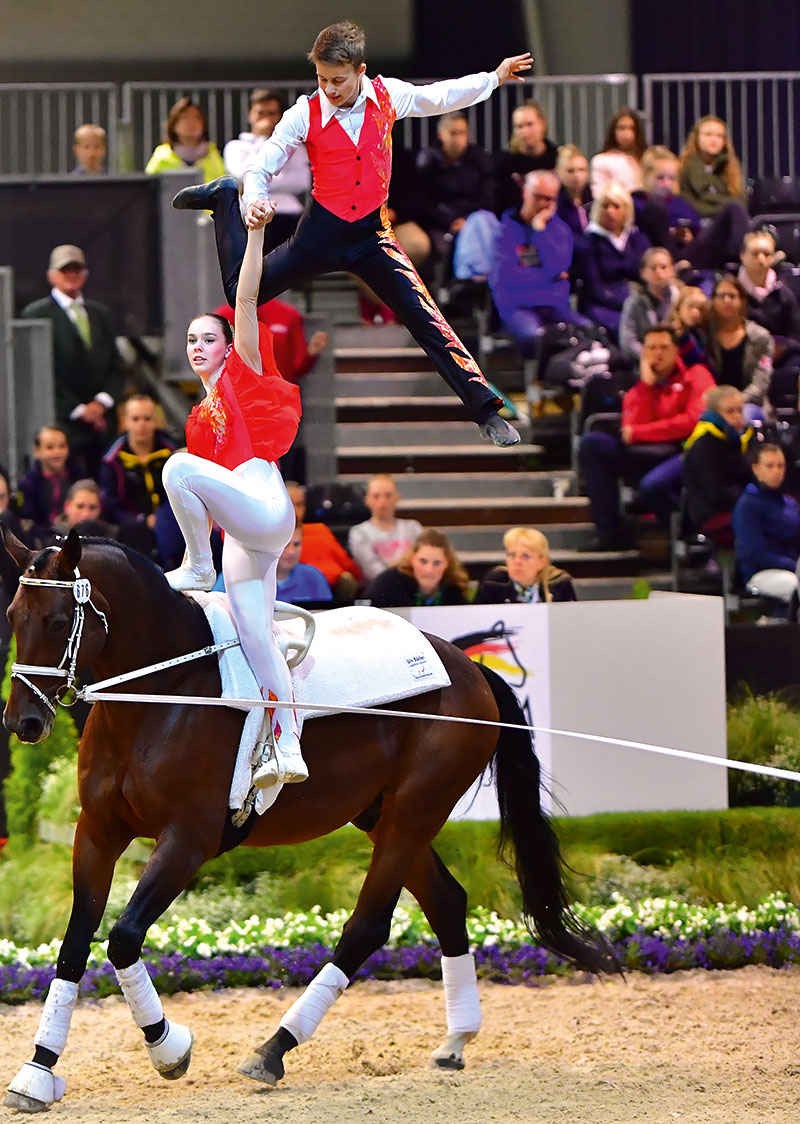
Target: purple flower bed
293	967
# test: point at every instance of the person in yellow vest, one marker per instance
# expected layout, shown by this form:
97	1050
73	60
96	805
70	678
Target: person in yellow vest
186	144
346	127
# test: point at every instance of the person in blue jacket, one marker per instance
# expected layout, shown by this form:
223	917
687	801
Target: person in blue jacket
532	253
766	524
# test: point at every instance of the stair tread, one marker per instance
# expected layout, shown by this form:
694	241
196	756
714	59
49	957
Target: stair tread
438	450
490	557
495	501
378	352
401	400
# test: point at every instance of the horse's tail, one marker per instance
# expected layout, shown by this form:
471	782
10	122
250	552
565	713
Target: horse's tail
529	845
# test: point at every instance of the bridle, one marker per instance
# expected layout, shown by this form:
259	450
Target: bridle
82	594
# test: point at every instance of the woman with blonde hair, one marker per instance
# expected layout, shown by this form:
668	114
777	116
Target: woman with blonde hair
430	573
528	575
574	196
529	150
609	256
710	172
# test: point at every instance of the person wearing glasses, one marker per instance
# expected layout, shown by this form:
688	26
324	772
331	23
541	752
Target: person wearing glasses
529	275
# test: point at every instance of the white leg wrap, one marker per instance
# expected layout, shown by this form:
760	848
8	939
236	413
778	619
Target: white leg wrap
305	1015
56	1016
142	997
462	1004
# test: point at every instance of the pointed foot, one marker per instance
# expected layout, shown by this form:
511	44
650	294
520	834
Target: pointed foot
499	431
203	196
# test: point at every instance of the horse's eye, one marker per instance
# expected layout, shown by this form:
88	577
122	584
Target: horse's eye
58	625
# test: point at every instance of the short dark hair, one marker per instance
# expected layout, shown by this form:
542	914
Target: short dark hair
662	330
340	43
174	115
768	447
265	93
227	330
48	429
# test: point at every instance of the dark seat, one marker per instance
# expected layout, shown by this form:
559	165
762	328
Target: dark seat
767	194
785	229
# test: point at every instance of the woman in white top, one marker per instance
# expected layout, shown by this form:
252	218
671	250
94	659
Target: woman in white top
382	540
623	149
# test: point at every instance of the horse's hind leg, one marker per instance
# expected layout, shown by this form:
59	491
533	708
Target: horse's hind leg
365	931
444	903
94	855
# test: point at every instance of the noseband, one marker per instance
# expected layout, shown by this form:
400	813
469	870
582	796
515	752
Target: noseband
82	594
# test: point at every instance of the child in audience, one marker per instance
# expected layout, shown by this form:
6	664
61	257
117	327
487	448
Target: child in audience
44	486
383	539
322	549
710	172
89	148
297	581
81	511
574	197
688	322
650	304
428	574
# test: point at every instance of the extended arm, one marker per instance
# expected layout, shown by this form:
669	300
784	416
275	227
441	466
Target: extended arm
456	93
246	320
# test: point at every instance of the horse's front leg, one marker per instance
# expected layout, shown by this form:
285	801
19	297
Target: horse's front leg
94	856
177	857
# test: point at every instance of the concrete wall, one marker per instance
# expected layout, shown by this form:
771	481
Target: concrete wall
582	38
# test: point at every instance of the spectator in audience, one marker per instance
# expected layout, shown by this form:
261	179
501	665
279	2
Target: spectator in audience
670	220
455	179
297	581
404	206
89	149
130	476
529	272
529	150
774	306
623	148
294	357
87	367
9	517
649	304
44	486
82	511
383	539
658	412
739	350
574	196
428	574
715	470
186	144
528	575
710	172
322	549
608	257
290	187
766	524
687	319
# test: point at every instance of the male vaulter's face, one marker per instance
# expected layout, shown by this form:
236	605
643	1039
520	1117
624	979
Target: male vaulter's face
340	83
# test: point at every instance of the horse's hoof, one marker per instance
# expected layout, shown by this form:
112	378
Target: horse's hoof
35	1088
259	1070
450	1055
25	1104
447	1061
173	1051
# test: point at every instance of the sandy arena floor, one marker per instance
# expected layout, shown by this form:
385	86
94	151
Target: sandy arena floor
717	1047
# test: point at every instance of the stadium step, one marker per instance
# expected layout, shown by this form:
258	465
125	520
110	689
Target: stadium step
494	510
473	485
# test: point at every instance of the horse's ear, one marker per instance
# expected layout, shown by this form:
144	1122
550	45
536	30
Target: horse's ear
16	549
70	554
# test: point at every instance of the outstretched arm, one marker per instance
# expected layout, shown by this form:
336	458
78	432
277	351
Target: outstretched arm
246	319
456	93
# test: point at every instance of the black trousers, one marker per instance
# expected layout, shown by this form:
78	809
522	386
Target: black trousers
324	243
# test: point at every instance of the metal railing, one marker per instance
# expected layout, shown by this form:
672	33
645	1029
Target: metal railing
38	119
760	109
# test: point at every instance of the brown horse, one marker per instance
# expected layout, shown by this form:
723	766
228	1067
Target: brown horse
164	771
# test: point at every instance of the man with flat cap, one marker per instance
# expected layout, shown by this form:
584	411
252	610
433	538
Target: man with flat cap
87	367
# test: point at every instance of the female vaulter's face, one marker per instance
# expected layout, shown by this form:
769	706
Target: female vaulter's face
206	346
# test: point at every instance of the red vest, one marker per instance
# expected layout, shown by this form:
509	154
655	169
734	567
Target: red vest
246	415
350	180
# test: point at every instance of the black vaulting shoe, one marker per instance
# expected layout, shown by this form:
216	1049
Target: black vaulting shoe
201	196
499	431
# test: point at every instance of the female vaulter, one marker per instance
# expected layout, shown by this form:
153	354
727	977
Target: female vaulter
346	127
247	420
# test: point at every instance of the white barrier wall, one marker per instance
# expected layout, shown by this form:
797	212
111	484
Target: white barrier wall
649	671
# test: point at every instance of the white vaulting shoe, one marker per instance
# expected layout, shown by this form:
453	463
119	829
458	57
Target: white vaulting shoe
285	766
187	578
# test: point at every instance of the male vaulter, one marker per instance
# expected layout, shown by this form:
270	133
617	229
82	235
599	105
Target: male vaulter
346	127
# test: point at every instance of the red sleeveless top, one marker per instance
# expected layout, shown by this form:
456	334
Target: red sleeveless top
351	179
245	415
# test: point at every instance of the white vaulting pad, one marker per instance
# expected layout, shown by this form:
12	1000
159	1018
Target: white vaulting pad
360	656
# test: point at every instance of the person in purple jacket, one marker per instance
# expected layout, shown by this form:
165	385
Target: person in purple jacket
609	257
532	253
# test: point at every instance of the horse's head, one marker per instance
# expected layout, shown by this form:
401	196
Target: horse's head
55	634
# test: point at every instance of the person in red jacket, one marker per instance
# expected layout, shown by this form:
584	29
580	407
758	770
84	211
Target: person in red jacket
247	420
346	127
658	414
293	356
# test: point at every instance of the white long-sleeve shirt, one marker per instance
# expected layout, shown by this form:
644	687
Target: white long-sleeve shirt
408	101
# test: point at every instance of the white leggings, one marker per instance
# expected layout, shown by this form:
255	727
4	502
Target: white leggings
252	506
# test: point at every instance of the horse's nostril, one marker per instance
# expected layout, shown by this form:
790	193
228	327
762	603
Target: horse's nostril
30	730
